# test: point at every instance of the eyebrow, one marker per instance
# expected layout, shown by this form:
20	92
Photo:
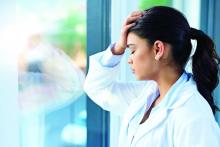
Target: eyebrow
130	45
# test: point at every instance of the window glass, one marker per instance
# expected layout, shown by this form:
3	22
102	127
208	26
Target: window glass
51	67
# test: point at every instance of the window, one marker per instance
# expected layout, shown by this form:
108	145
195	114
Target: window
52	64
98	20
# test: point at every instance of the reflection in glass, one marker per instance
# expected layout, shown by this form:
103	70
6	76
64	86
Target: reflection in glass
52	65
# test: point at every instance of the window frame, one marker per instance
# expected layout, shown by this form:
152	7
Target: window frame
98	25
209	24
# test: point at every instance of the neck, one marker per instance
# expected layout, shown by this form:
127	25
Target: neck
165	79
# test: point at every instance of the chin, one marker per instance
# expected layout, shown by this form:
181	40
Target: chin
139	78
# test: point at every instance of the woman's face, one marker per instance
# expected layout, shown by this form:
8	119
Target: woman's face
142	58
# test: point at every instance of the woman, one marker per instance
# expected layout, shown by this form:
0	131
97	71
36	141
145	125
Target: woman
169	107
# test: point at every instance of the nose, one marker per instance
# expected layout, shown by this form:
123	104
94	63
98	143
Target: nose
129	60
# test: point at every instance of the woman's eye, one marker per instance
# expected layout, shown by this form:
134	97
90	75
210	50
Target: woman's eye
132	52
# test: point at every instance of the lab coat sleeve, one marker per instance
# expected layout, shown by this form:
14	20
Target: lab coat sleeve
103	88
199	133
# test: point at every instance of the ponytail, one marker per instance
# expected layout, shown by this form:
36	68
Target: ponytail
205	66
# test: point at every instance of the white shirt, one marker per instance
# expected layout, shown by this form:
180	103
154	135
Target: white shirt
182	119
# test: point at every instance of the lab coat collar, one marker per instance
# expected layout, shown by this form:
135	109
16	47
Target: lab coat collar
173	99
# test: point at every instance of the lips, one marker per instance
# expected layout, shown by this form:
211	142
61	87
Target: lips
132	70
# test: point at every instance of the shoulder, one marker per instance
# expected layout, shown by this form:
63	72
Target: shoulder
195	113
194	122
190	107
191	104
196	107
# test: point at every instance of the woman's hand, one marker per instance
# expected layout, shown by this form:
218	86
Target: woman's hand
121	44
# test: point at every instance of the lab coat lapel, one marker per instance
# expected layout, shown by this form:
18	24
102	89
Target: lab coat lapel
133	109
150	124
145	97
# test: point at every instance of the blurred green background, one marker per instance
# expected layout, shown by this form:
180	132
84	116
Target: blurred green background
145	4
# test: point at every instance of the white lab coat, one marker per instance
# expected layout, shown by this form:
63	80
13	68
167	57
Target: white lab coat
182	119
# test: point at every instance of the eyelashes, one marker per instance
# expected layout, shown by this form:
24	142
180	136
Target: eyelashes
132	51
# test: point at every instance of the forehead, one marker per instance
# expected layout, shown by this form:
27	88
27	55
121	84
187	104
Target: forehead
135	40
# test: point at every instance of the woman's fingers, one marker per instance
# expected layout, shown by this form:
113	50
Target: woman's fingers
135	13
122	42
126	27
124	33
132	19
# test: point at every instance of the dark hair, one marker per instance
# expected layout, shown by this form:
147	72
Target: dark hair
170	26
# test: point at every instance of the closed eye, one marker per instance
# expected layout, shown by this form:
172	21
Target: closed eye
132	52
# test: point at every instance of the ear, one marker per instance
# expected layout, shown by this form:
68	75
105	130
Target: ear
159	48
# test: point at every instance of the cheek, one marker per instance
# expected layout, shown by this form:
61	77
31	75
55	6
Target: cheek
145	66
144	60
